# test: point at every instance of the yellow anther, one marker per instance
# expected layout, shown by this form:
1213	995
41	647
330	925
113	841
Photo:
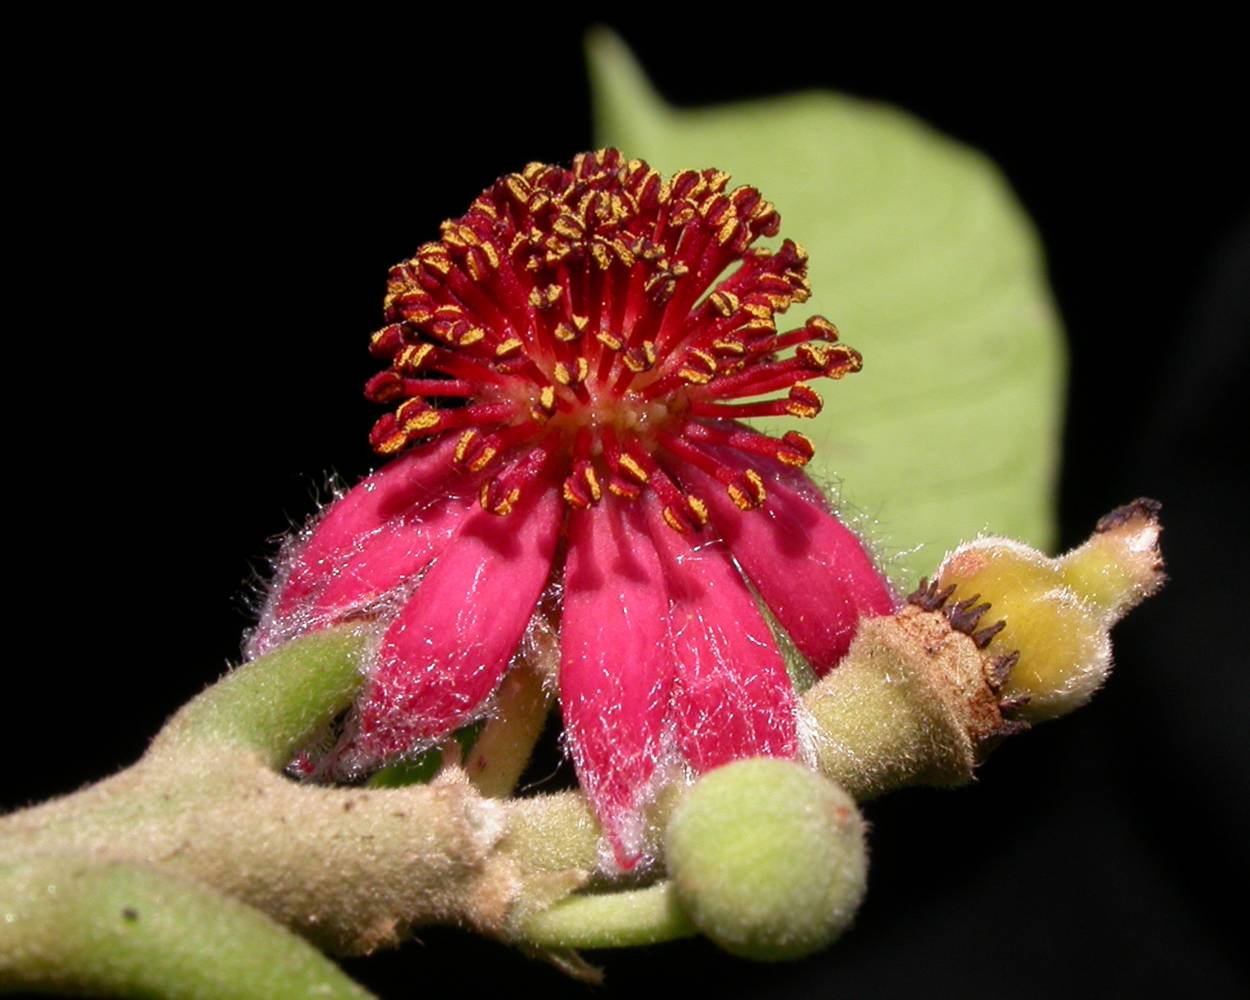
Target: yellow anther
423	421
462	446
484	458
630	465
674	521
757	484
392	444
609	341
592	483
517	187
413	356
472	336
823	325
708	359
509	347
697	507
814	355
740	499
568	227
504	506
547	398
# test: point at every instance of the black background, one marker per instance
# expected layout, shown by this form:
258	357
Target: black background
203	218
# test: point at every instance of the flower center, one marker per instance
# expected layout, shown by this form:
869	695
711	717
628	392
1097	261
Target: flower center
604	328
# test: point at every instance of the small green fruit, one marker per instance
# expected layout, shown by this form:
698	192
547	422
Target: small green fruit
768	858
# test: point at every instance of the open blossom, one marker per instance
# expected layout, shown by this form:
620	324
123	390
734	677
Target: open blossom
567	368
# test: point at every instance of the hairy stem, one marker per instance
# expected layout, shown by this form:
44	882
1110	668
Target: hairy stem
129	930
610	920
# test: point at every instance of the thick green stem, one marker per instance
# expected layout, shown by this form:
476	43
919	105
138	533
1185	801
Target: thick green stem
273	704
128	930
610	920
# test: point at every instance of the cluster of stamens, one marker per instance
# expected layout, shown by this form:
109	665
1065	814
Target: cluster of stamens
606	327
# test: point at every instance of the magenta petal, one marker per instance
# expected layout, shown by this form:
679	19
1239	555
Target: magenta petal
385	529
401	488
447	650
811	570
615	665
395	553
732	696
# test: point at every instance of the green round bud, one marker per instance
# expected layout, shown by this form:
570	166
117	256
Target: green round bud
767	858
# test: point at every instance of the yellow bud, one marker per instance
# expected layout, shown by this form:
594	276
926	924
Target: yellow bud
1120	566
1065	653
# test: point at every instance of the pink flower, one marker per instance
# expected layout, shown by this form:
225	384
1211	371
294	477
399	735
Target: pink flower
567	369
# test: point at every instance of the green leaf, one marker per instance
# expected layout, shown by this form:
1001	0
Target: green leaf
924	259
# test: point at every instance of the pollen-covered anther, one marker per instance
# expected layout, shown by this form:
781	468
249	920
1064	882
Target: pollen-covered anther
545	298
475	451
700	367
544	402
414	415
725	303
498	497
830	360
804	401
697	508
386	437
640	358
630	465
581	487
824	327
798	450
575	375
746	490
411	358
387	341
385	387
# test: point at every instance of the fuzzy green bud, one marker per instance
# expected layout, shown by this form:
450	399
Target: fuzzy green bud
768	858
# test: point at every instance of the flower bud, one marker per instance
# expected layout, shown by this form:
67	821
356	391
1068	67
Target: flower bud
1065	652
768	858
1056	613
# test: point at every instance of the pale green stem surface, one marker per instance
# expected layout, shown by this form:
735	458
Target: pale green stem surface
274	703
127	930
610	920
